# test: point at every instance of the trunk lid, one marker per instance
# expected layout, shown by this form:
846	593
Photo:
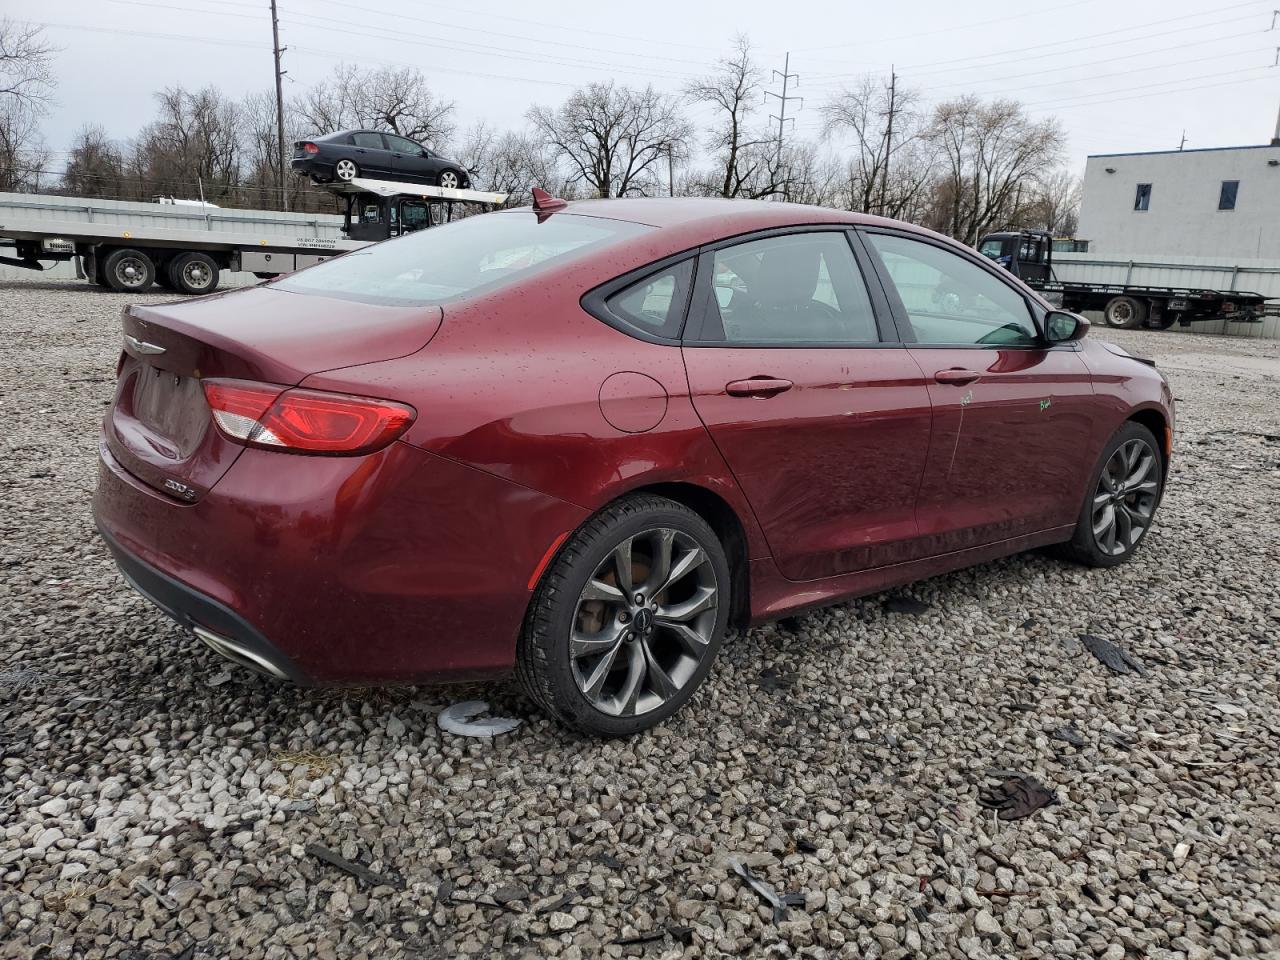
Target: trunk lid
159	426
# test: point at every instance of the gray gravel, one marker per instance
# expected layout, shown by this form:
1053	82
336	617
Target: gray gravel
156	803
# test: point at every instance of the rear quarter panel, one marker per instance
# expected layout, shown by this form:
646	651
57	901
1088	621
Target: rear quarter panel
513	382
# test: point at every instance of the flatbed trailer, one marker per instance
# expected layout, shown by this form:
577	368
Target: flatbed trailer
1028	255
169	251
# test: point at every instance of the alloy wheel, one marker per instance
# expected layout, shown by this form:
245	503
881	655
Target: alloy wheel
643	622
449	179
1125	499
345	170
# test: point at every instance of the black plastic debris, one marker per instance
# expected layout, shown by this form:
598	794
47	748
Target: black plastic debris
653	936
1027	624
766	892
1016	799
357	870
1069	734
909	605
560	902
805	845
1114	658
771	680
1119	739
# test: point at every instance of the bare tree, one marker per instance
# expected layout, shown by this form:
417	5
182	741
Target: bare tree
1055	203
742	155
990	153
95	166
613	137
26	90
194	145
396	100
511	162
890	161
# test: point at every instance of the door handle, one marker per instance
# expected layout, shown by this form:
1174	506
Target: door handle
760	387
956	376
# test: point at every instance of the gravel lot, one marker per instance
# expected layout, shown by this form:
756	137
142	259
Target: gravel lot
155	803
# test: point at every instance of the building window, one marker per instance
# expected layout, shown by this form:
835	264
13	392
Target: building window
1227	198
1142	199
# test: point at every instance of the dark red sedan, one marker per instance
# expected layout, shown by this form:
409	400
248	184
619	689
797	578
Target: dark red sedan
579	441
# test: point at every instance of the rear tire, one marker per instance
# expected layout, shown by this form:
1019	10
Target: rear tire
346	170
129	271
1125	313
610	652
1124	491
193	273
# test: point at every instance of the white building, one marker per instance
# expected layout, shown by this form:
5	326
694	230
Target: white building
1221	203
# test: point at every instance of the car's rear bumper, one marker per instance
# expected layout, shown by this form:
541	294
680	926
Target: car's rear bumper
400	566
310	167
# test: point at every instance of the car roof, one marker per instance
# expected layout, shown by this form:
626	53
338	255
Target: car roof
706	219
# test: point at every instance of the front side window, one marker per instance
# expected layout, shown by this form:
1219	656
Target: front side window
949	300
459	259
992	249
656	304
373	140
1227	196
403	145
801	288
1142	199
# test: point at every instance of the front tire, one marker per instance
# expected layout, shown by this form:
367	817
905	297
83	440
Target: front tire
626	621
449	178
1124	492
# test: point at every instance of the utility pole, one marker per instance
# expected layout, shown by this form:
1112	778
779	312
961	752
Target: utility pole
275	42
888	138
671	173
786	76
1183	142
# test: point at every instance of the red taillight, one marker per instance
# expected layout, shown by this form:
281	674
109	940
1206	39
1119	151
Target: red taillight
310	148
304	421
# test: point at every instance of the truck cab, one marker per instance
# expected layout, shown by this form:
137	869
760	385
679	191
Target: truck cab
1027	254
371	217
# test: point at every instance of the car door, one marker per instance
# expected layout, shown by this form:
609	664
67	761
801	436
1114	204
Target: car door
1012	415
407	160
821	415
371	154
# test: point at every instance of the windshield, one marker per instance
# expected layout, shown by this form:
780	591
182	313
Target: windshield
454	260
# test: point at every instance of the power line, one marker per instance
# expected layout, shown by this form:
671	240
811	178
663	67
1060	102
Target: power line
944	66
277	49
781	117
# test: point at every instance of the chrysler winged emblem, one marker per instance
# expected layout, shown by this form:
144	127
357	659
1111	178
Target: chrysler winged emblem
141	346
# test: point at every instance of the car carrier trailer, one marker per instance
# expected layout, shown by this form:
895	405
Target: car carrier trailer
1028	254
172	251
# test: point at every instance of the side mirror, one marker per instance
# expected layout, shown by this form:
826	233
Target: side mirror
1060	326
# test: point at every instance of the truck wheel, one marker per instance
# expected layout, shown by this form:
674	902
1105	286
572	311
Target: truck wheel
1125	312
129	271
193	273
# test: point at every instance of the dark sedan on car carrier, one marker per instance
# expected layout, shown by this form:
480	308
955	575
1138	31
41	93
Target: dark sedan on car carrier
348	154
578	441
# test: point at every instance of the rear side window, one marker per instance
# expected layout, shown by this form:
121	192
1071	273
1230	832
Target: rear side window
1227	195
790	290
454	260
656	304
1142	198
373	140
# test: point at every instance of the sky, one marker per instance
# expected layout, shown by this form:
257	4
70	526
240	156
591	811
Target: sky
1120	75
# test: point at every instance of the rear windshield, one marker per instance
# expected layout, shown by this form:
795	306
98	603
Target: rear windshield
455	260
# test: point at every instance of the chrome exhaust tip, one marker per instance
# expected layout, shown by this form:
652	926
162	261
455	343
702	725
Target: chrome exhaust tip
239	654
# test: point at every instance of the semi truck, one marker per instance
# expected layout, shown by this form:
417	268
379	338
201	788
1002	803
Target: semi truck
1028	254
131	246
